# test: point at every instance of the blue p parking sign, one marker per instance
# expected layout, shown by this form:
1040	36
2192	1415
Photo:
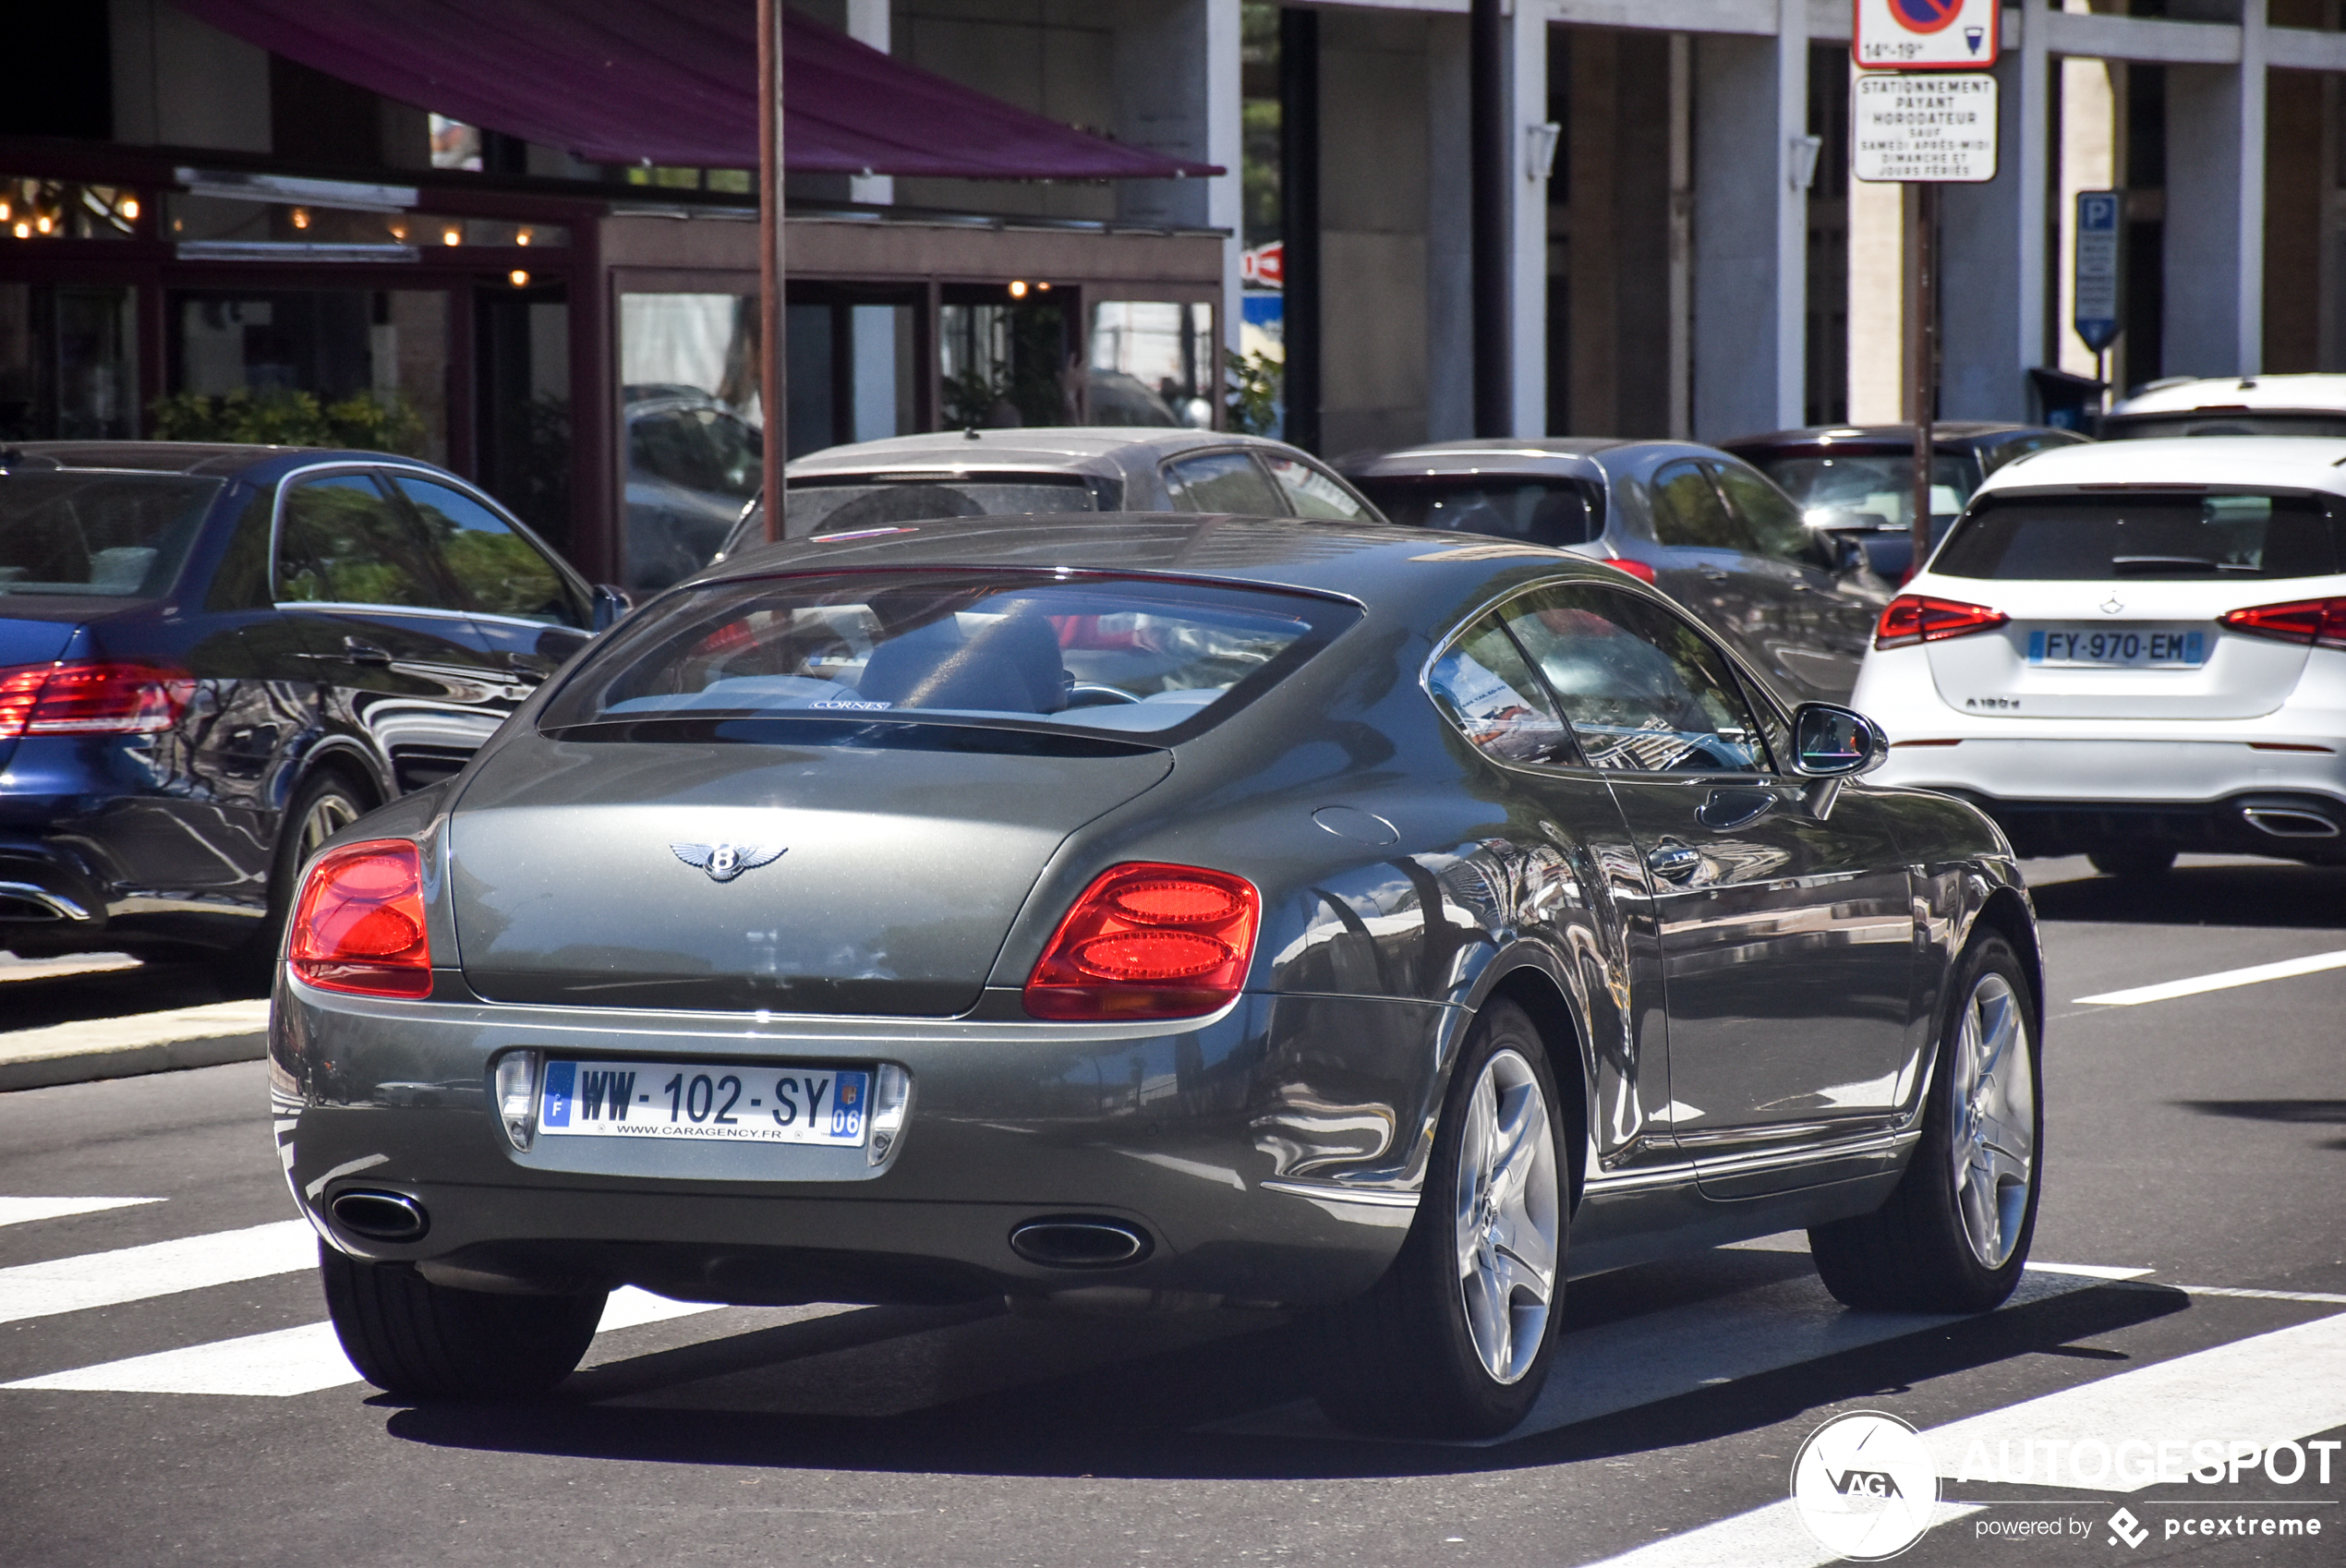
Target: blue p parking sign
2098	313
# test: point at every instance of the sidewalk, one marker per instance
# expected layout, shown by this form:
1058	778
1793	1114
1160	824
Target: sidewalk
140	1043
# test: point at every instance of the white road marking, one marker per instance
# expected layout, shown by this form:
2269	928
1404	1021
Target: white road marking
290	1361
1634	1361
2270	1388
2276	1387
2222	980
2088	1271
18	1210
161	1268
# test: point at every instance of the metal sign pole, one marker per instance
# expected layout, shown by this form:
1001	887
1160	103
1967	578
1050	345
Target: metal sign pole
773	388
1925	339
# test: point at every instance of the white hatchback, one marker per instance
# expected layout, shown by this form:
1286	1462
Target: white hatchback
2131	649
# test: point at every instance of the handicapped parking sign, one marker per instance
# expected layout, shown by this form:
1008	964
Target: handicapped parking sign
1918	35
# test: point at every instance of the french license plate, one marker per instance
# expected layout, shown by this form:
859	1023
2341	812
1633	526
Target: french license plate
2119	648
726	1102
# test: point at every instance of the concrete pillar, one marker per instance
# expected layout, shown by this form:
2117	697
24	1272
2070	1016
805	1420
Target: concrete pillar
1992	271
1750	233
1449	255
1528	220
868	23
2088	161
2215	260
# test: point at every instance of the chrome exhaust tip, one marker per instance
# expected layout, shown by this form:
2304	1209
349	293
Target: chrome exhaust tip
1080	1241
2289	822
380	1216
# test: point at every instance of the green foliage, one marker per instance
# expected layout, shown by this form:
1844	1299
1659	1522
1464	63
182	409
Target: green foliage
1255	381
366	421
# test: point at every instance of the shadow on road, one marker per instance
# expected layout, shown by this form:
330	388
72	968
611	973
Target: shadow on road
793	1389
2241	892
2314	1112
31	998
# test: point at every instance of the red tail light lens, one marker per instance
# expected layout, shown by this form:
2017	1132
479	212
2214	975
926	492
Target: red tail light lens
1148	942
359	925
2306	621
1918	618
104	698
1637	568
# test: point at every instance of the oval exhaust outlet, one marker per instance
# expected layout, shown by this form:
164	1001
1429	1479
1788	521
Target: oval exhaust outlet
2287	824
380	1216
1080	1241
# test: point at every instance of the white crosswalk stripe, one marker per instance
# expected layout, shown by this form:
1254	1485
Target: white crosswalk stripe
160	1268
290	1361
22	1210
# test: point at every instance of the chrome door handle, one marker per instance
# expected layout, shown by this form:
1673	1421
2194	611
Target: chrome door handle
1671	859
1716	573
358	652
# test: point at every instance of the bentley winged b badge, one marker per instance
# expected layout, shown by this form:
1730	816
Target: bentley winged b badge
725	862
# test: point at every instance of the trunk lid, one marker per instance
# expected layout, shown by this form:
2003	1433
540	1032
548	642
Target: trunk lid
1994	672
899	871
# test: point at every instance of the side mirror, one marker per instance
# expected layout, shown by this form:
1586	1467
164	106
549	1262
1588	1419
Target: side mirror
611	606
1848	555
1829	742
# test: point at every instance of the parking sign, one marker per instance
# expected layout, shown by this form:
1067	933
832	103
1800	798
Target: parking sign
2098	285
1925	35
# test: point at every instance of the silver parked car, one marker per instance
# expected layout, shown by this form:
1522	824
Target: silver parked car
1155	910
1704	527
1007	473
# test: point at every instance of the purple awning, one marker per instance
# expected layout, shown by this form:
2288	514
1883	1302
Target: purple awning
675	82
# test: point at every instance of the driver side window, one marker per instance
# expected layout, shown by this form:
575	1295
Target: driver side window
1643	691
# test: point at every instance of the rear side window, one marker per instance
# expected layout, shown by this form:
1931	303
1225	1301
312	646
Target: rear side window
820	660
341	542
2161	535
1222	481
1688	512
1313	493
1554	513
109	536
1483	685
881	503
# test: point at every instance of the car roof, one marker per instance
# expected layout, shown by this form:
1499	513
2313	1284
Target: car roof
1072	449
223	458
1384	564
2227	393
1956	433
2284	462
1582	455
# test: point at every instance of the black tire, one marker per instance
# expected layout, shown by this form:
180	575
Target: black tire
426	1343
1402	1359
1917	1253
2132	860
326	804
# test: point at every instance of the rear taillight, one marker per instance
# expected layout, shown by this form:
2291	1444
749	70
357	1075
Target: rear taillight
2321	621
1918	618
359	925
1148	942
1637	568
100	698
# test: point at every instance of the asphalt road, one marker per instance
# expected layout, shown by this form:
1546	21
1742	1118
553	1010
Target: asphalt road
2192	1208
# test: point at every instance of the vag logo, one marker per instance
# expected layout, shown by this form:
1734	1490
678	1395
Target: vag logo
1881	1483
1864	1486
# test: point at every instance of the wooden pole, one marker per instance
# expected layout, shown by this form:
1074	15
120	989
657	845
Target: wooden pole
773	387
1925	390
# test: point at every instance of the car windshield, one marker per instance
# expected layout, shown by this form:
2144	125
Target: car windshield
708	450
2176	537
1541	511
110	535
836	658
847	506
1859	491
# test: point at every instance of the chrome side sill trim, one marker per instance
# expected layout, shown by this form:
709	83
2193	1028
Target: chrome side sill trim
1373	1196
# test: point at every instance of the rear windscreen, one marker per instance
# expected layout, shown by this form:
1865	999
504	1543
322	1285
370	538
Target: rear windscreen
2168	536
2224	422
845	507
1102	656
1540	511
112	536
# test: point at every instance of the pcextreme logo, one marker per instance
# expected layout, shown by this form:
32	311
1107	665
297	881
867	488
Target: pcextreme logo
1865	1485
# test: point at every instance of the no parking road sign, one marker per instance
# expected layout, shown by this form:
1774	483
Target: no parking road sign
1925	35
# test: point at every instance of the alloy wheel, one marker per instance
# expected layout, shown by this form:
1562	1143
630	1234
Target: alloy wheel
1508	1216
328	815
1993	1149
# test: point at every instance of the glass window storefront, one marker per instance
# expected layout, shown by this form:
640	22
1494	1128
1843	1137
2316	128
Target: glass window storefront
695	441
1152	363
68	362
1007	365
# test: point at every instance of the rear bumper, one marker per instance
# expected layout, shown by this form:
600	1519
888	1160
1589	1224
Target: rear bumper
1270	1154
47	894
2292	826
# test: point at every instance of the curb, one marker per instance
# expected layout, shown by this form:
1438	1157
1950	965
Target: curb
131	1061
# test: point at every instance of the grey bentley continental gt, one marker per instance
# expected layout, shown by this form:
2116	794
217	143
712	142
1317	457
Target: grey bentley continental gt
1152	911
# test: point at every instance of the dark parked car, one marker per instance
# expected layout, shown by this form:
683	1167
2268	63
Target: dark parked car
212	658
692	465
1701	527
1858	480
1007	472
1152	911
